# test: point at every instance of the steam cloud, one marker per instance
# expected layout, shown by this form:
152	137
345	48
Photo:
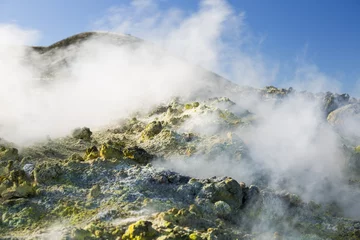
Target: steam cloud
107	81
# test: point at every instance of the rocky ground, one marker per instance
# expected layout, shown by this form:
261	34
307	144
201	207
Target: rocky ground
109	184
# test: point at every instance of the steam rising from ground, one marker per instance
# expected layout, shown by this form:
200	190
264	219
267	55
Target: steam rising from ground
215	37
107	82
292	148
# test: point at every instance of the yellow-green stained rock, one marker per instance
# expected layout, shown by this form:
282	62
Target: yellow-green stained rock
188	106
354	161
141	230
194	209
9	153
25	190
17	176
116	143
28	215
21	191
229	117
109	152
151	130
190	150
95	191
357	149
80	234
75	157
227	190
4	171
2	188
91	153
182	217
222	209
191	105
195	236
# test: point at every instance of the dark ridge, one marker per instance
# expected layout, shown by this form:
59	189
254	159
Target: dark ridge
81	37
119	39
75	39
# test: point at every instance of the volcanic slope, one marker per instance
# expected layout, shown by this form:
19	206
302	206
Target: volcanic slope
187	167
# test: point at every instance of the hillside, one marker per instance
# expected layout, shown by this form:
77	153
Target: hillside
222	162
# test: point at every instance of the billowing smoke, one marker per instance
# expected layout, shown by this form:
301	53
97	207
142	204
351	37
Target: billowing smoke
102	82
107	81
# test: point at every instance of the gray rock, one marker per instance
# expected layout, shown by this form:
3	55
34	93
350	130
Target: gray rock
29	169
82	133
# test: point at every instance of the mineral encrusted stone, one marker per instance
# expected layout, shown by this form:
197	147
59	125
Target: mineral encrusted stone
82	133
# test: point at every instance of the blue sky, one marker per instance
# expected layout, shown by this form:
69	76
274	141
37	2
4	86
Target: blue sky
325	33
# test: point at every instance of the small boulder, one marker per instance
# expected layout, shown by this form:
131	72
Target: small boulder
109	152
22	191
182	217
95	191
253	193
191	105
222	209
141	230
80	234
91	153
137	154
345	115
29	169
332	101
227	190
151	130
82	133
9	153
45	172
